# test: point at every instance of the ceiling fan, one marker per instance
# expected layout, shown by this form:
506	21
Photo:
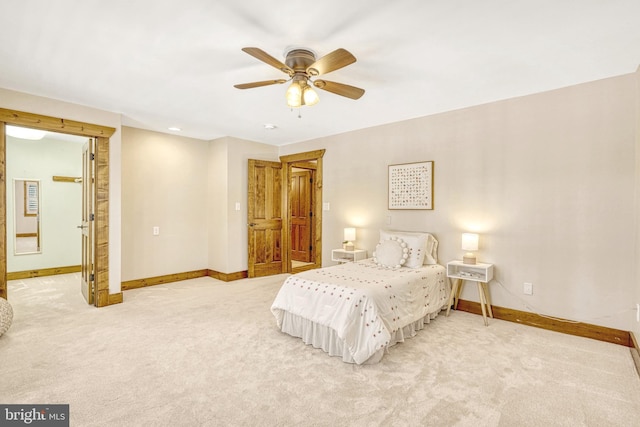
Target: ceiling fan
301	66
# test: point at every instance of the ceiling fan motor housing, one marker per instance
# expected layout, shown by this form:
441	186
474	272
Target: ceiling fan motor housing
300	59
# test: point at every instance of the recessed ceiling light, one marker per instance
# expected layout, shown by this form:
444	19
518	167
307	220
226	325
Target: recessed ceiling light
175	128
269	126
25	133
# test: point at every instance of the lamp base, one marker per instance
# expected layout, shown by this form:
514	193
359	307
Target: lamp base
349	246
469	258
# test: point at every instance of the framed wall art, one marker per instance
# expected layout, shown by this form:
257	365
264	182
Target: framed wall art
411	186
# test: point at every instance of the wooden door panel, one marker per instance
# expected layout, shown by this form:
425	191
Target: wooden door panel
260	198
300	201
260	253
265	218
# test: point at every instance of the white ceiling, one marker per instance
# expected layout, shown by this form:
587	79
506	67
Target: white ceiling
163	63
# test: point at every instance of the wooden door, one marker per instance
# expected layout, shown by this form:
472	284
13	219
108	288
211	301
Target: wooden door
301	211
88	205
265	218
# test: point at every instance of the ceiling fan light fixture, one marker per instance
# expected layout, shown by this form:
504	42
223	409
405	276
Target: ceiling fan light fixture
294	95
310	97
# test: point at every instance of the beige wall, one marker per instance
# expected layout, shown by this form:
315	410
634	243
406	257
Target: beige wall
164	185
51	107
188	188
547	180
217	206
228	159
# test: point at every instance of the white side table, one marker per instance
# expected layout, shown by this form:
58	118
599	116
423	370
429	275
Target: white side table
480	273
342	255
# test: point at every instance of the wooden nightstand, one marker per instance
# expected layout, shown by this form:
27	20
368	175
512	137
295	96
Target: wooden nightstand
480	273
342	256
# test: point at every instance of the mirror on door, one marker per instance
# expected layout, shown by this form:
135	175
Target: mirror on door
27	216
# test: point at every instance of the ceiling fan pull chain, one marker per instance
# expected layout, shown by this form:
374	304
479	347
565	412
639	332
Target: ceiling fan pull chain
299	114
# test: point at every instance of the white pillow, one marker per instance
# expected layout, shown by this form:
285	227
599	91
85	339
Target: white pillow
423	247
431	254
391	253
416	242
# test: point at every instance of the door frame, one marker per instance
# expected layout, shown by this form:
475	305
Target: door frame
288	162
102	135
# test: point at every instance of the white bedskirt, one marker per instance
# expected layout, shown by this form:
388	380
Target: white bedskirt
325	338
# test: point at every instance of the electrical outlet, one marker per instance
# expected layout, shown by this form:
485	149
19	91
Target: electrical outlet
528	288
156	231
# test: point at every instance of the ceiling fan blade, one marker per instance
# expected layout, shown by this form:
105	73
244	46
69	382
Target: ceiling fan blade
268	59
259	84
330	62
339	89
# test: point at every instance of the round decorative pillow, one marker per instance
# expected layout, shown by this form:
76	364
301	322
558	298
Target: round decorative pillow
391	253
6	315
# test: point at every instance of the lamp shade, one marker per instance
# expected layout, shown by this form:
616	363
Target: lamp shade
349	234
309	96
469	242
294	95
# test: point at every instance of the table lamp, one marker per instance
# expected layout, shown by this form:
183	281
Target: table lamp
469	243
349	237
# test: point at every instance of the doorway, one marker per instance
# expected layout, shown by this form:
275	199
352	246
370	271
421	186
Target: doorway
101	178
43	207
269	214
301	218
312	161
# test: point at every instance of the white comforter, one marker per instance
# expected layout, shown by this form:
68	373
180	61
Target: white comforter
364	304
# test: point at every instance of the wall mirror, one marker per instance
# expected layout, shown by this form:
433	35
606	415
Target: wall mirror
27	216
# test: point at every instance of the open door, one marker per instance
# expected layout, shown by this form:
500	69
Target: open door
264	215
88	206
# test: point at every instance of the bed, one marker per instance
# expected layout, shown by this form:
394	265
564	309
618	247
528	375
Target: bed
357	310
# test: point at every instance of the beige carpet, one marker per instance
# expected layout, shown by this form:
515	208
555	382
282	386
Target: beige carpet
204	352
